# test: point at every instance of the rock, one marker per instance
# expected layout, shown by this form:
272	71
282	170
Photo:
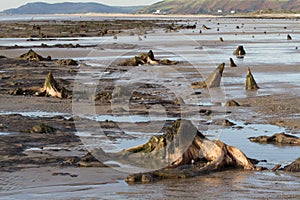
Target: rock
43	129
239	51
2	57
213	80
53	88
279	138
33	56
231	63
250	83
288	37
188	152
293	167
221	39
231	103
67	62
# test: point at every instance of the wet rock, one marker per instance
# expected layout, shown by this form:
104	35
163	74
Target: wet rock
250	83
189	154
53	88
293	167
231	63
144	58
288	37
42	129
279	139
231	103
67	62
213	80
239	51
33	56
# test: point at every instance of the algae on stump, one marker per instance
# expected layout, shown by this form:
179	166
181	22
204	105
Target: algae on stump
250	83
188	152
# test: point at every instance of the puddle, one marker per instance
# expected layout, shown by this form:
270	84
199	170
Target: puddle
127	118
274	154
37	114
2	133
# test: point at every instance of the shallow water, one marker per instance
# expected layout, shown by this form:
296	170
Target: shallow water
264	50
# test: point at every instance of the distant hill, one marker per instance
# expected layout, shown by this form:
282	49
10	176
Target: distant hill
221	6
68	8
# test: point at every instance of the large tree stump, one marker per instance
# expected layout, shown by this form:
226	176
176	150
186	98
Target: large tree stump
188	152
213	80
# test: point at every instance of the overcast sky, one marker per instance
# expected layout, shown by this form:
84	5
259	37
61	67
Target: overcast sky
6	4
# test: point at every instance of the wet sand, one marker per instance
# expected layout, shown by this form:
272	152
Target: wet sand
272	108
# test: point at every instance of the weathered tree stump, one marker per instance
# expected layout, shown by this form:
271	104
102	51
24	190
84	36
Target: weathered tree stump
143	59
53	88
33	56
250	83
213	80
231	63
239	51
189	154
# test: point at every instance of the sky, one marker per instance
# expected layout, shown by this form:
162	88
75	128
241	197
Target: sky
6	4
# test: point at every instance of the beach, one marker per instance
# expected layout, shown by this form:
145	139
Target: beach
115	107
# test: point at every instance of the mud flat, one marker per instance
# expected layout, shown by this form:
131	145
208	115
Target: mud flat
116	107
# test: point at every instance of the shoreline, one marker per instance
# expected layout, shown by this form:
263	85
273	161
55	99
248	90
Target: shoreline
153	16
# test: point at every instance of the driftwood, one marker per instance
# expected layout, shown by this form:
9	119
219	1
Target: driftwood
33	56
279	138
213	80
250	83
189	154
144	58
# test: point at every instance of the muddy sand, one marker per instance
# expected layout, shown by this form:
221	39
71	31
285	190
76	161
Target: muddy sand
45	140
